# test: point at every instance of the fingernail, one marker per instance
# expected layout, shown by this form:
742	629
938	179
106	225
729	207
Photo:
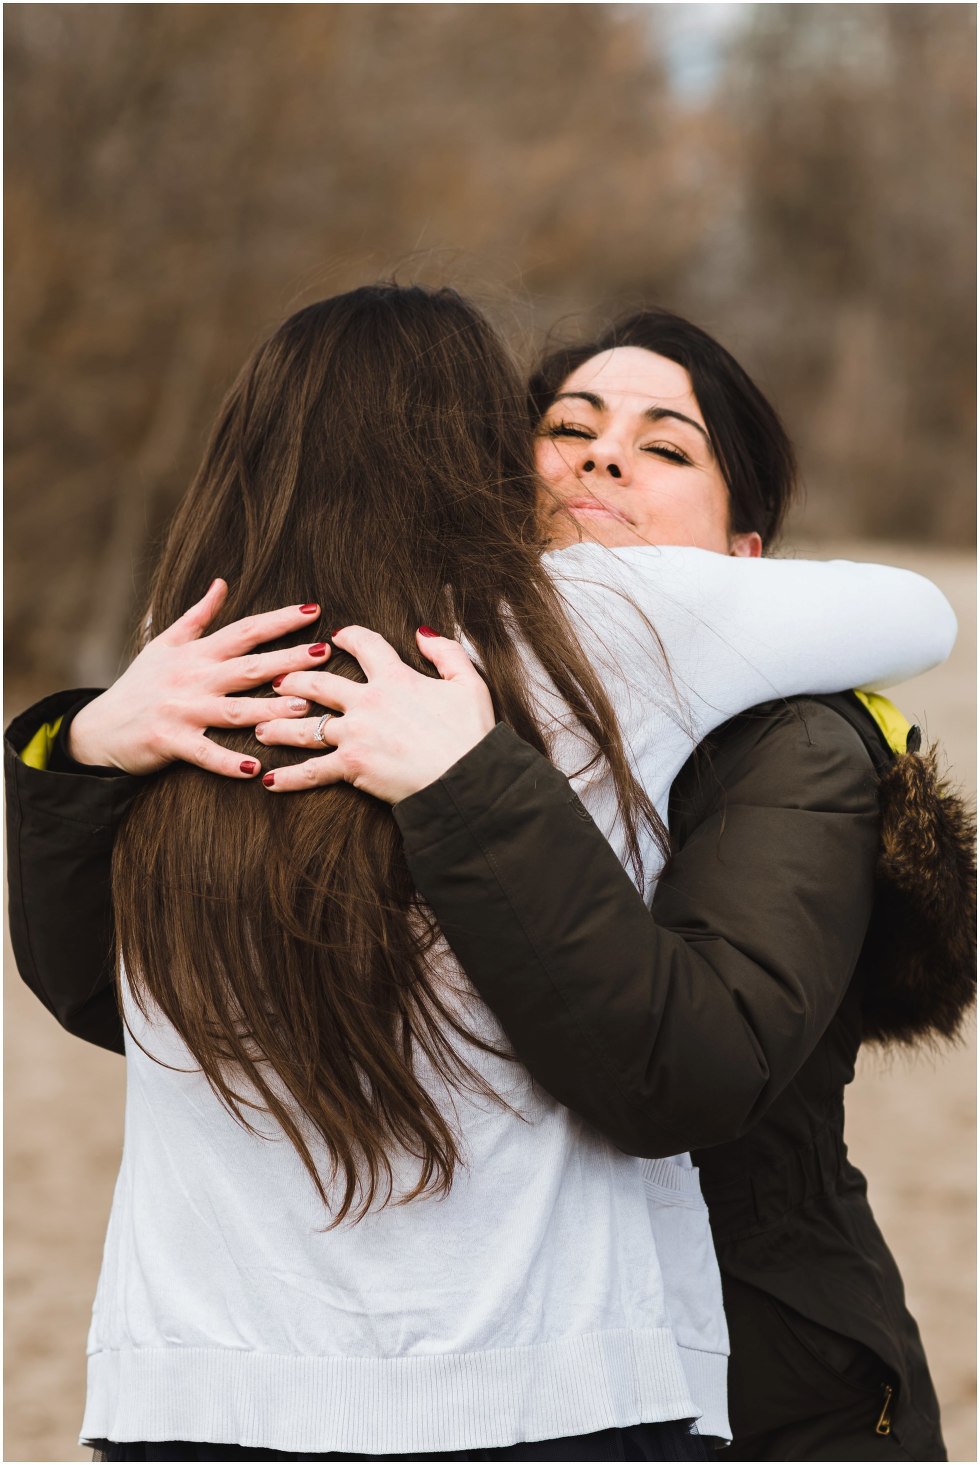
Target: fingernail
249	765
336	632
297	704
427	631
268	779
278	681
258	733
309	610
320	649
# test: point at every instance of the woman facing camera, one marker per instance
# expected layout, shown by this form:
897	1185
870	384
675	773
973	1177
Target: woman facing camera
361	1227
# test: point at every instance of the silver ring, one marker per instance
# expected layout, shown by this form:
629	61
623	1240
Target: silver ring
318	730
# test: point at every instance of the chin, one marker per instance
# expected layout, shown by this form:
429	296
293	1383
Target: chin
613	533
567	527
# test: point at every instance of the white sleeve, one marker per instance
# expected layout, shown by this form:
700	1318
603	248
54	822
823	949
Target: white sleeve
736	631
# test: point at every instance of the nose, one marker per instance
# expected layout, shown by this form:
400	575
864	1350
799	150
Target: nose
605	458
612	469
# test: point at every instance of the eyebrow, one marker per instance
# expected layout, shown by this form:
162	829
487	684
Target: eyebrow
653	414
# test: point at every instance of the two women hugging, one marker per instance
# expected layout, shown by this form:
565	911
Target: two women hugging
486	1049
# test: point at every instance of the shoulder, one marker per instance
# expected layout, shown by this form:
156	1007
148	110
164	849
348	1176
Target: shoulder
650	575
798	753
795	732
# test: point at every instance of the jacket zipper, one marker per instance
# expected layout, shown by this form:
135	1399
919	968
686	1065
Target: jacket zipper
884	1425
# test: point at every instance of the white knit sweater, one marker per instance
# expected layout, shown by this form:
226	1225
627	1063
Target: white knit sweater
562	1287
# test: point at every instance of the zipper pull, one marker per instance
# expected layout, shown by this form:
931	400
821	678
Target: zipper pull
884	1425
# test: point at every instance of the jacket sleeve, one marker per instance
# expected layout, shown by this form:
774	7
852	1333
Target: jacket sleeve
673	1030
60	832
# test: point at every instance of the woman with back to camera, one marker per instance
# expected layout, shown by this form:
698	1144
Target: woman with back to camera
195	915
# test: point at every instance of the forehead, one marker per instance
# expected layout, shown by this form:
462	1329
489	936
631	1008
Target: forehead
631	377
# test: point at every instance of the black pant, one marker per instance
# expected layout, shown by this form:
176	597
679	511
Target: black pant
671	1441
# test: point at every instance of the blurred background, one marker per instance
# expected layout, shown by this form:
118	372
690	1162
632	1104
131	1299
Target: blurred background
799	179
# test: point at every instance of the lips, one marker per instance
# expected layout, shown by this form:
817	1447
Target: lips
593	506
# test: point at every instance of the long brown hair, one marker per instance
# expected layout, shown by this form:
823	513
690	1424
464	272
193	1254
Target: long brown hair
373	455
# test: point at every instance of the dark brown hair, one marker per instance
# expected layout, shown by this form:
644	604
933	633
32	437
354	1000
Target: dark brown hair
751	445
374	455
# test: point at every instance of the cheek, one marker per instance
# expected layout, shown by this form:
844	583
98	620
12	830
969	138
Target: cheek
549	462
708	499
684	508
719	506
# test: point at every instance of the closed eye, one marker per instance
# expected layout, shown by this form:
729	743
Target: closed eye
667	451
565	429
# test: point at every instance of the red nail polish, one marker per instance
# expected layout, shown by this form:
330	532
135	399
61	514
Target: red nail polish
336	632
427	631
249	765
268	779
278	681
309	610
320	649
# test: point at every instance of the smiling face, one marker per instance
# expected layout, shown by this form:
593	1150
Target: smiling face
624	458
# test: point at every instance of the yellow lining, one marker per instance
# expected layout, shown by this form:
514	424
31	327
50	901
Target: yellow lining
37	754
893	724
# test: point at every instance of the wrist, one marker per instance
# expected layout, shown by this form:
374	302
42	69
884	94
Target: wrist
85	743
481	753
426	772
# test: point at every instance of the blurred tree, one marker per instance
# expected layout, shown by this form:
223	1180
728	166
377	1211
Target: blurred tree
856	265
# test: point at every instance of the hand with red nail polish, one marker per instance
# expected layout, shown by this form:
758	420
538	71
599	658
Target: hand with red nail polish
391	736
182	685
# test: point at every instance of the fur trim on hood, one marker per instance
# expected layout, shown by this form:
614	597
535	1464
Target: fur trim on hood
919	959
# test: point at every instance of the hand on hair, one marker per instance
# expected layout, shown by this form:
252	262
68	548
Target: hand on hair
160	709
398	732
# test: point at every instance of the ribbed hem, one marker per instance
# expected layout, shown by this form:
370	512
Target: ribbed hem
405	1405
668	1175
707	1379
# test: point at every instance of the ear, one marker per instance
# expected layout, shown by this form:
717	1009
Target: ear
746	546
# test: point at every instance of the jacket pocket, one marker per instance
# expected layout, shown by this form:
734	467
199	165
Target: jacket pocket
849	1363
786	1368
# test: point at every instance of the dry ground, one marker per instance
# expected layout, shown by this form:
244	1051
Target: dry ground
911	1128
